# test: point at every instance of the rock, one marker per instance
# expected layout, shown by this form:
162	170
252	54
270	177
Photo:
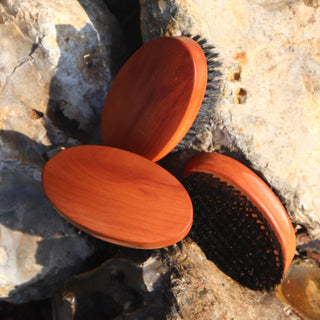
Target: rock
311	249
127	13
57	65
270	108
300	288
202	291
174	284
120	288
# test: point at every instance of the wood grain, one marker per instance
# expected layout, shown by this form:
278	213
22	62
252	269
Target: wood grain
118	196
255	189
155	98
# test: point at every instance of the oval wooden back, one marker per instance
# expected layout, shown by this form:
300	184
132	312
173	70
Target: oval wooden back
118	196
155	98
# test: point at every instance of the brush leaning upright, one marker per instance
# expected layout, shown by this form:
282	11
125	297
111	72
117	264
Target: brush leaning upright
156	97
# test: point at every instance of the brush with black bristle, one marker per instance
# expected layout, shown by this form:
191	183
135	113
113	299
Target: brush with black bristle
204	119
239	223
162	97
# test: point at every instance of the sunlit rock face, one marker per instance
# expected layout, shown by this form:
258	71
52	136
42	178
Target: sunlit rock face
57	62
269	102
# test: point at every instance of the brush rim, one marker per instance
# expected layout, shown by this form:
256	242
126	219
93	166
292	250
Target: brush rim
255	189
160	89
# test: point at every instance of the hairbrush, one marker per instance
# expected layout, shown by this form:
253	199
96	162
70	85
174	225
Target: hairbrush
160	96
118	196
239	222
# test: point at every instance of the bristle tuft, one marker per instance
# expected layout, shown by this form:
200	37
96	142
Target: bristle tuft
233	233
213	90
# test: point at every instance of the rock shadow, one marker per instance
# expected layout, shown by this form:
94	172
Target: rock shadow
115	290
78	87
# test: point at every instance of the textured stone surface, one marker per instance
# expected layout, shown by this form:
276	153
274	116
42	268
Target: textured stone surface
119	289
269	104
174	283
56	64
202	291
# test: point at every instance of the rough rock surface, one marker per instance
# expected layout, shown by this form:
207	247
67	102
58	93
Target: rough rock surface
269	104
202	291
120	288
56	64
174	284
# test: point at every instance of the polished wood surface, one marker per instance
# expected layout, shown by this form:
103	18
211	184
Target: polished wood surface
155	98
118	196
256	190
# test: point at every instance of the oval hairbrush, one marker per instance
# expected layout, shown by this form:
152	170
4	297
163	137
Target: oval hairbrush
155	98
118	196
238	221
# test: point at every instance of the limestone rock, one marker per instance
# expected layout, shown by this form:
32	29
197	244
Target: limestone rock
57	62
202	291
269	104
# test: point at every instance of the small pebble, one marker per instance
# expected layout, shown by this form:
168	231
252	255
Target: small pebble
240	96
35	114
234	75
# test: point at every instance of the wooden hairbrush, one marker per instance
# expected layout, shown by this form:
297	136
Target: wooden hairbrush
118	196
239	222
156	97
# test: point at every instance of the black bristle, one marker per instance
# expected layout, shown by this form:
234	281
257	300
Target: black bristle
202	42
233	233
213	91
195	38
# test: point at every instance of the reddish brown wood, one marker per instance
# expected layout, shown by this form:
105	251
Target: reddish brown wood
256	190
118	196
155	97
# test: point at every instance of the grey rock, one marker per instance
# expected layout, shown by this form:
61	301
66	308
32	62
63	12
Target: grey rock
56	64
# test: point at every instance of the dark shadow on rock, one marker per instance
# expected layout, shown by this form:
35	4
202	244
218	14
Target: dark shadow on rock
310	249
128	14
115	290
36	310
24	206
15	145
90	60
74	112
